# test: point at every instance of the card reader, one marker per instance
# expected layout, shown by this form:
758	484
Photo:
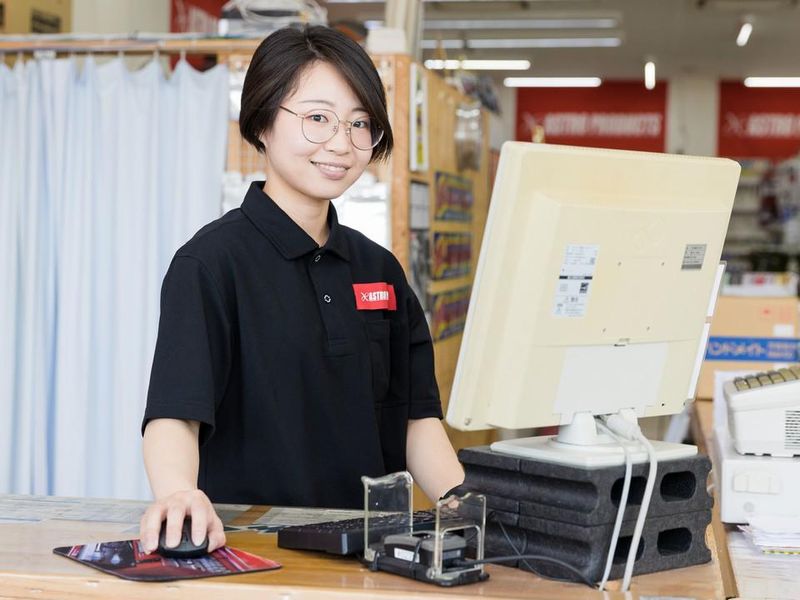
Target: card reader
418	547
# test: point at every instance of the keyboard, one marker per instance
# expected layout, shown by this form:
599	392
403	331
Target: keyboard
347	536
757	380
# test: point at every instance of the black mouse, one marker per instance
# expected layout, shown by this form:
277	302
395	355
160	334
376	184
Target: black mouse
185	548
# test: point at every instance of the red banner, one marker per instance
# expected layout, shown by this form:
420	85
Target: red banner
618	114
758	122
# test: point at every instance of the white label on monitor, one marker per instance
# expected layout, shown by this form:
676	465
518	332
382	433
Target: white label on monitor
693	256
575	280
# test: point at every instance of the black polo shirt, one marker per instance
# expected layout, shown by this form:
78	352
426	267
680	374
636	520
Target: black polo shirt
302	363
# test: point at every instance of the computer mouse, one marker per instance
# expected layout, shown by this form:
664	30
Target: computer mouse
185	548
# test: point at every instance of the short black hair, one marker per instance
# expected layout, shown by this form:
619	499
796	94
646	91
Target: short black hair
283	56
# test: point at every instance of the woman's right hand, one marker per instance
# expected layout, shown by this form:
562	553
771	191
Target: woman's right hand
174	508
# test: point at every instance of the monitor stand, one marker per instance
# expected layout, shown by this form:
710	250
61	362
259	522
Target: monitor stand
580	445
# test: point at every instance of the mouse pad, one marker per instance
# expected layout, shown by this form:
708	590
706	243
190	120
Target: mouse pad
127	560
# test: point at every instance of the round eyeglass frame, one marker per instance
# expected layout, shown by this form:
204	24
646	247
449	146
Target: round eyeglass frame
339	121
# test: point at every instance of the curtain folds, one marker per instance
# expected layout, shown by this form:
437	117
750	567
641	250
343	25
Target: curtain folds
104	172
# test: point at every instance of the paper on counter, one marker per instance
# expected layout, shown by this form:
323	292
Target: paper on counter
759	575
282	516
40	508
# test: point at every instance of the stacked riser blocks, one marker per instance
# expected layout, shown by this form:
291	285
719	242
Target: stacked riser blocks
568	513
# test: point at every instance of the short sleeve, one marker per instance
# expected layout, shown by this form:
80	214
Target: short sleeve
193	349
424	397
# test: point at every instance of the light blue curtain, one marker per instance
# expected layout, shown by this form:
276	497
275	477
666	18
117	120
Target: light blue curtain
103	174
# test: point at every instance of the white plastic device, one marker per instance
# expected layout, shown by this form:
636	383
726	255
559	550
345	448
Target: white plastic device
764	412
750	485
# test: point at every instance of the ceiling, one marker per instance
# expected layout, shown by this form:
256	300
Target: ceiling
680	36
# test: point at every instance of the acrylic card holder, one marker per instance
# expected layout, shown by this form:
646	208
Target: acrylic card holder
443	546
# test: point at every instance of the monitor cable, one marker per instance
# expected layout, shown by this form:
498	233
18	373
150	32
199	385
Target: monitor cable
631	431
524	558
623	503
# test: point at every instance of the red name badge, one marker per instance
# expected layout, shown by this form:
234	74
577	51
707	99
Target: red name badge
375	296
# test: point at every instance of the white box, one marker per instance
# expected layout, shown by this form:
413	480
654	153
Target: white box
751	485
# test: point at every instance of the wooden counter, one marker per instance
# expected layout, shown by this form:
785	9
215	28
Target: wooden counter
29	569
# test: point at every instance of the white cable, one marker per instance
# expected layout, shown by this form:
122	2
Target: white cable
623	502
648	493
630	430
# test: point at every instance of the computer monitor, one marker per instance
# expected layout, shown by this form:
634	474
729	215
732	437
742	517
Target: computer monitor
592	293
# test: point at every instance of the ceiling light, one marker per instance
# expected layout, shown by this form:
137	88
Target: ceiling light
744	33
446	44
438	65
650	75
587	42
552	81
447	24
768	82
479	65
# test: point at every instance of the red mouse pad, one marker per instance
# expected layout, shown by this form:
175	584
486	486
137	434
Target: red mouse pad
127	560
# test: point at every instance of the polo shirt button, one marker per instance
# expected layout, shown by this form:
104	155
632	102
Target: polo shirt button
317	257
327	298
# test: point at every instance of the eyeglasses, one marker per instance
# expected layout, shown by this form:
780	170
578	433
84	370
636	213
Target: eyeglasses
320	125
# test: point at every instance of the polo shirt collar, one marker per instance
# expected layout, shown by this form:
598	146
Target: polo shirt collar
287	236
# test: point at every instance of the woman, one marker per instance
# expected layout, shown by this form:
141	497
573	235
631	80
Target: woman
292	356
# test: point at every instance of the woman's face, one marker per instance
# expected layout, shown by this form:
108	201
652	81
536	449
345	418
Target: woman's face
298	166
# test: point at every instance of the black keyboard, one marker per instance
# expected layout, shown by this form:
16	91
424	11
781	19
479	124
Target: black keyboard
347	536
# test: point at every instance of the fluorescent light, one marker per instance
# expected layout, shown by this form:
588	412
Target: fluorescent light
744	33
497	65
650	75
446	44
443	64
588	42
448	24
479	65
552	81
770	82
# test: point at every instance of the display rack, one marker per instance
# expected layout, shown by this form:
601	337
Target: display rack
745	232
442	101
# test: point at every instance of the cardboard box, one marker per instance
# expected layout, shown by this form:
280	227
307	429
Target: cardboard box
749	334
35	16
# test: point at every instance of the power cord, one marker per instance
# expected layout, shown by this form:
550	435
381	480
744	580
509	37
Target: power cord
630	430
415	558
623	503
525	557
648	493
